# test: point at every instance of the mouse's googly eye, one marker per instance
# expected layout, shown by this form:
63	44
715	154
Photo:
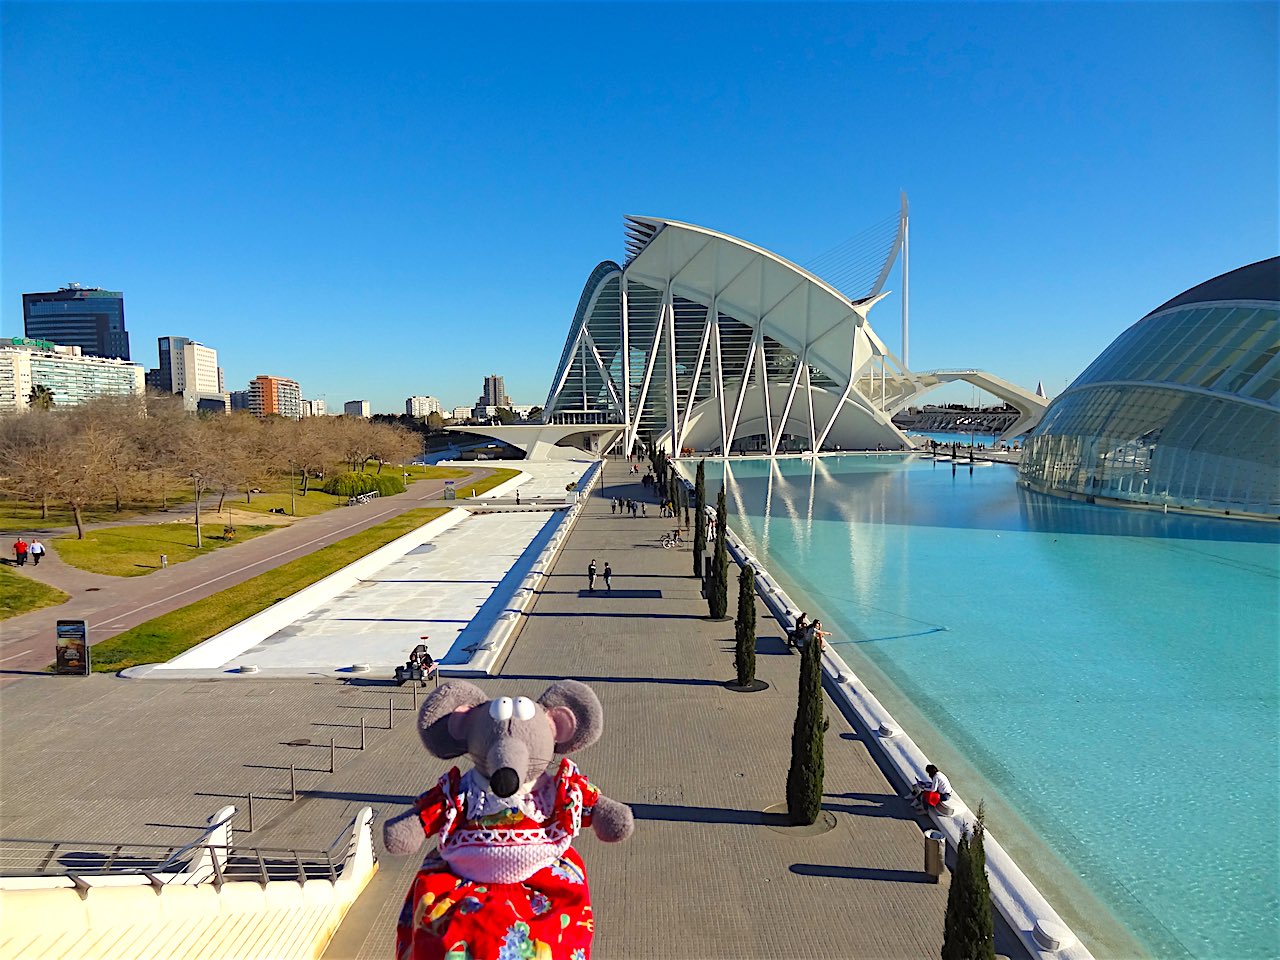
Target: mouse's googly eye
524	708
502	708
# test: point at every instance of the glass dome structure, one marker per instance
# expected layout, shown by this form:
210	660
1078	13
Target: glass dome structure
1183	409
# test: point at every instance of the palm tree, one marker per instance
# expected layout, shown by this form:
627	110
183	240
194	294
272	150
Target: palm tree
41	397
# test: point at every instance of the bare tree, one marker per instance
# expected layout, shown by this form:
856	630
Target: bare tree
32	454
91	449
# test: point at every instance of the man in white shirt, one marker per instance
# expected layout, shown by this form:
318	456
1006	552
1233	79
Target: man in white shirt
931	792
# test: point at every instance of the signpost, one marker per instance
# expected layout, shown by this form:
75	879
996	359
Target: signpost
449	492
72	649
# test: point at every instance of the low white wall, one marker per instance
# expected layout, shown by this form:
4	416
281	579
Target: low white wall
1014	895
230	643
282	920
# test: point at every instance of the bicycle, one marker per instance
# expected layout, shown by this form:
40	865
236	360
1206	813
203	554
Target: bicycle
667	541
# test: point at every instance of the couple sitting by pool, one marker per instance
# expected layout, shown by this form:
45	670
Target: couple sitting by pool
806	631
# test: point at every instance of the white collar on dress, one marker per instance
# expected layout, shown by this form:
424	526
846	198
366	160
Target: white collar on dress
531	799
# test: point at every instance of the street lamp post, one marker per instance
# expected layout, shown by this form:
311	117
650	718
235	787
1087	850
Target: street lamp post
196	478
293	507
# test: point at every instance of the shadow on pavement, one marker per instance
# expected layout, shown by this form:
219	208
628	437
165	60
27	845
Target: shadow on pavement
678	814
859	873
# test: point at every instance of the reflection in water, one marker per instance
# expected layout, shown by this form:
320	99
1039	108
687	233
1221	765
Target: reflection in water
1073	654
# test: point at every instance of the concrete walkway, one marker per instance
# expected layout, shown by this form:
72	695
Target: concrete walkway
112	605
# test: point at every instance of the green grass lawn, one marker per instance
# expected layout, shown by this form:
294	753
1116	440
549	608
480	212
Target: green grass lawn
132	551
316	501
19	594
169	635
500	475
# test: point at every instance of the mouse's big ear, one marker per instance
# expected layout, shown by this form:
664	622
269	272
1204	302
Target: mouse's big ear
575	713
442	719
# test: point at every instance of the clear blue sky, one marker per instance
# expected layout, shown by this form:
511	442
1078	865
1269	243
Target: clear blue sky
385	200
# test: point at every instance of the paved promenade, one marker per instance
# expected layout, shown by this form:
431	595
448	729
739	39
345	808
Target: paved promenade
706	875
112	605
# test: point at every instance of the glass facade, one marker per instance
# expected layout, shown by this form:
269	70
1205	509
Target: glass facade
1182	409
88	318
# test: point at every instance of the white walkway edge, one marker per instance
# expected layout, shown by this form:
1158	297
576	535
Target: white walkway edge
494	647
1014	895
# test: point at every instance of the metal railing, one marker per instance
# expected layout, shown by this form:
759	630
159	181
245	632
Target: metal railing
160	865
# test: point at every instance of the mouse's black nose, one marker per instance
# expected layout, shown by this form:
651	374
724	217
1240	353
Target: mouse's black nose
505	782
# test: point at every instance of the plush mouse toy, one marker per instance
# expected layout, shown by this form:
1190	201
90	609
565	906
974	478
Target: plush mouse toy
504	881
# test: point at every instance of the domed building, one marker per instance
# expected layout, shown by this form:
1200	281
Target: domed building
1183	409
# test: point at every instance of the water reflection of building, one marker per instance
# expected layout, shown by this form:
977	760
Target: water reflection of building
1183	409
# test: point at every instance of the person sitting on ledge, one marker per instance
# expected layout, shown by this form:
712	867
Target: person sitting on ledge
929	793
797	632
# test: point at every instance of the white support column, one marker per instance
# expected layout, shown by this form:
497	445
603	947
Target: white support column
906	357
808	395
644	386
626	359
742	390
697	379
853	368
762	357
786	407
673	413
719	388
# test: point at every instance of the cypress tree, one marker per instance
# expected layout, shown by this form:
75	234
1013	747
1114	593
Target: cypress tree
718	591
969	931
744	628
804	779
700	518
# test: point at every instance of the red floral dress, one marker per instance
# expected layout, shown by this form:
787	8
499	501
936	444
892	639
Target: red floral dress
503	882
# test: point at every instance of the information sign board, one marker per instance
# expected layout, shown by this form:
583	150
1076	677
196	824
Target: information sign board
73	648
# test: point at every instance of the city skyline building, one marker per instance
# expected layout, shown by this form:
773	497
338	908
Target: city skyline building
422	406
189	369
494	393
239	399
86	317
275	396
356	408
71	375
313	408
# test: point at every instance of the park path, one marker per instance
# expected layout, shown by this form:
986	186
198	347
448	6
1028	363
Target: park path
112	605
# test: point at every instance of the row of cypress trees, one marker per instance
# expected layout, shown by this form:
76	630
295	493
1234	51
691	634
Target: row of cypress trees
968	927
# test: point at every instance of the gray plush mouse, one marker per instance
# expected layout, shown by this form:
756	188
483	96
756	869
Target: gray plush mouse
504	873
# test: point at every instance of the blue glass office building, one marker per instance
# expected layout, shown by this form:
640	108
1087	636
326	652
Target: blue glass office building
86	317
1182	410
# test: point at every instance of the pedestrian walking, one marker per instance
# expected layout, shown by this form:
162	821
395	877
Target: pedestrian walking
591	576
613	505
20	551
608	577
642	513
36	549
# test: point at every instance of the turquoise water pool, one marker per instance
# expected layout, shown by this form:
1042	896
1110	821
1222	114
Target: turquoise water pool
1111	674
